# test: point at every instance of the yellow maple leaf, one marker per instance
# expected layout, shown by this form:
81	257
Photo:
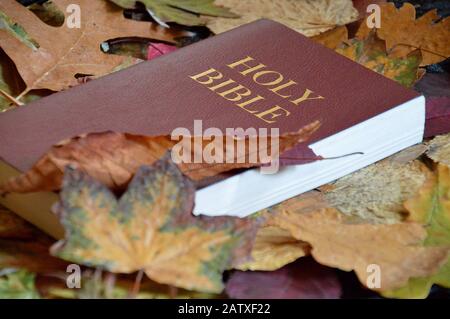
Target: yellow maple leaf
150	228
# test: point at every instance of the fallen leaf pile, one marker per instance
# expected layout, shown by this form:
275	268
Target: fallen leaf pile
127	208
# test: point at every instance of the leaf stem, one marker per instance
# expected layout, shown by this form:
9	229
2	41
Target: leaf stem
137	283
11	98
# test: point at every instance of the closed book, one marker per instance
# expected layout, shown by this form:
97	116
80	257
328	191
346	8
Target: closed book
260	75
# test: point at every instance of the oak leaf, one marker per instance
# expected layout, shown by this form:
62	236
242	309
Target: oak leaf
186	12
404	33
332	39
113	158
371	53
150	228
305	16
64	52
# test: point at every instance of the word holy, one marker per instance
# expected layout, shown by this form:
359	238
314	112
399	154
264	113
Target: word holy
236	145
244	98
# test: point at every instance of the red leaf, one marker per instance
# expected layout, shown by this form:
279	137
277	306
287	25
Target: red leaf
157	49
438	116
304	279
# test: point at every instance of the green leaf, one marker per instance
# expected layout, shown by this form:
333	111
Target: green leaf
150	228
186	12
18	285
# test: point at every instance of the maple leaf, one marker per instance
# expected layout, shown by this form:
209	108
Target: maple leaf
371	53
273	248
186	12
304	279
307	17
113	158
64	52
18	285
404	33
150	228
348	244
431	207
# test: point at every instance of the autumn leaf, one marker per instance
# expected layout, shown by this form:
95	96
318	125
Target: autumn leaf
332	38
30	255
24	246
17	31
113	158
376	193
179	11
157	49
307	17
150	228
304	279
18	285
439	149
14	227
405	34
431	208
76	51
438	116
371	53
348	244
434	84
274	248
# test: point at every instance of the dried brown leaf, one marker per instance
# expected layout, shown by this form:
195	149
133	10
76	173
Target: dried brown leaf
404	33
305	16
62	52
113	158
336	242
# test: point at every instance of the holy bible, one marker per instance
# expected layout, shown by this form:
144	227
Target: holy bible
261	75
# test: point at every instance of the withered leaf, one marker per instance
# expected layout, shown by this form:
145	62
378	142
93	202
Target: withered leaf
186	12
404	33
63	52
340	242
24	246
438	115
273	248
113	158
376	193
332	38
150	228
371	53
431	208
304	279
439	149
307	17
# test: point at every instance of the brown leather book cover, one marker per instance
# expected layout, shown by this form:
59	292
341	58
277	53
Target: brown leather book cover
259	75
